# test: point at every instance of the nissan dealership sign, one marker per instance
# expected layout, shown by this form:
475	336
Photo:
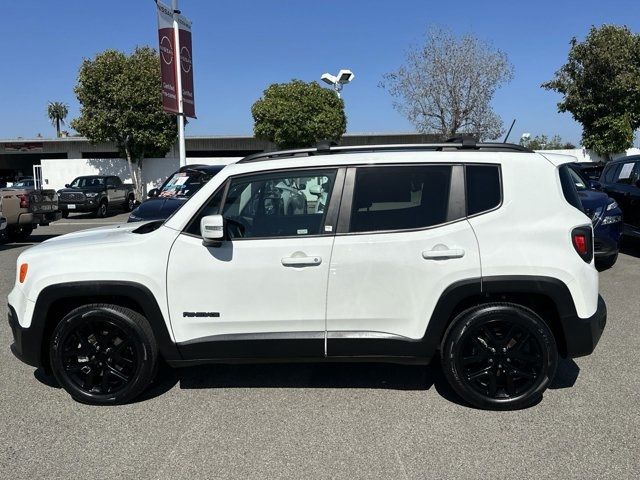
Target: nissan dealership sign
172	64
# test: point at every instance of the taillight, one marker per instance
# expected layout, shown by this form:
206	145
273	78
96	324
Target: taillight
582	239
24	200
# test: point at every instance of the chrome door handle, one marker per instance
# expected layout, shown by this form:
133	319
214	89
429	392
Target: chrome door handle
301	261
443	254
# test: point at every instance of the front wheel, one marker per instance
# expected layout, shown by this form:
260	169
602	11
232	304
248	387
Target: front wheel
499	356
101	212
103	354
130	204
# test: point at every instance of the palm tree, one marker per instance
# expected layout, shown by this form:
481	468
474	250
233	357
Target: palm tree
57	112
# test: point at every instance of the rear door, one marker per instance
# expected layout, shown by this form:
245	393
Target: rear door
402	239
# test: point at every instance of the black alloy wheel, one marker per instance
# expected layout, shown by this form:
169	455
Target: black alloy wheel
103	354
500	356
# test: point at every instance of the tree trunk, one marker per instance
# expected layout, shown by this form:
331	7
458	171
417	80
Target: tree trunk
133	174
58	127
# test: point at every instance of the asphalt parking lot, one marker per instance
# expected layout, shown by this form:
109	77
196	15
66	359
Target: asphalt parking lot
329	421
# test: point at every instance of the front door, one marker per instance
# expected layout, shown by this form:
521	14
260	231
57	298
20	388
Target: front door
263	291
405	241
625	189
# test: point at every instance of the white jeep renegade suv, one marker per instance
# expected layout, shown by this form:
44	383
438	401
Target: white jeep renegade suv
476	253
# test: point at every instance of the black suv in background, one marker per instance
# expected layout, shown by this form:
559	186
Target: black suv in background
176	189
621	181
96	194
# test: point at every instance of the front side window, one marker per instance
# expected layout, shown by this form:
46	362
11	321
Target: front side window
287	204
400	197
627	174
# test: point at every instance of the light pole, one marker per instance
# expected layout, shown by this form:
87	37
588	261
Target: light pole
338	81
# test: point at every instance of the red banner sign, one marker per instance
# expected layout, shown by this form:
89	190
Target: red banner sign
167	59
186	67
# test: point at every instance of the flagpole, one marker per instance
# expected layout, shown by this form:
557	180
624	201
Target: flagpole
176	38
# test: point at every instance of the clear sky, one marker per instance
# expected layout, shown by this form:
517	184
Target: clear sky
241	46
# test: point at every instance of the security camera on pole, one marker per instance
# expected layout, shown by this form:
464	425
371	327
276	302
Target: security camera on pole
338	81
176	67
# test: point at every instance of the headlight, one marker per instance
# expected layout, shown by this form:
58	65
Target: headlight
91	194
611	219
613	205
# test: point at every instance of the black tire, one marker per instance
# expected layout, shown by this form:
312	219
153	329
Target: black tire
102	209
130	203
65	213
499	356
19	233
103	354
605	263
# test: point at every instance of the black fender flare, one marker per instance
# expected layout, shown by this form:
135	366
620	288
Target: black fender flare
94	292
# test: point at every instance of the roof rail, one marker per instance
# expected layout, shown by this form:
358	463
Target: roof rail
325	149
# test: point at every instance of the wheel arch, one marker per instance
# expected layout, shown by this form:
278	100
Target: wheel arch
548	297
55	301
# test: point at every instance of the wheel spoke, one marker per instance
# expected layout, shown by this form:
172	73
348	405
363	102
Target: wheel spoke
479	373
117	374
520	373
493	384
474	359
511	388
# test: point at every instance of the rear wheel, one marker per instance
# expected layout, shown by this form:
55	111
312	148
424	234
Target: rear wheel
19	233
606	263
499	356
103	354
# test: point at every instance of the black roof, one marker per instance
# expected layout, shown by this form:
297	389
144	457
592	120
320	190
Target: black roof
327	149
213	169
626	159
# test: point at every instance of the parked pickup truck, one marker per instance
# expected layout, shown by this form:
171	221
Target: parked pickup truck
96	194
24	208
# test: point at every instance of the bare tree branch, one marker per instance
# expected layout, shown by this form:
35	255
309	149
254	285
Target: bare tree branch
446	85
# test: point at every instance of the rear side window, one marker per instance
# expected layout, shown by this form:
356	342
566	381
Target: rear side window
400	197
569	187
483	188
609	173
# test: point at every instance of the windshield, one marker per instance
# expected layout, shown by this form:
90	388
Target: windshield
581	183
82	182
24	184
184	184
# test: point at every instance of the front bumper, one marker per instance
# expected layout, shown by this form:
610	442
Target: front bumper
88	205
582	334
26	341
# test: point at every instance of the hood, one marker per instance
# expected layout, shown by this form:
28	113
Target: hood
84	238
593	200
158	208
81	190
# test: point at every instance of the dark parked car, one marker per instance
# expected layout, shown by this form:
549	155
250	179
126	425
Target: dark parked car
621	181
96	194
174	192
590	170
606	217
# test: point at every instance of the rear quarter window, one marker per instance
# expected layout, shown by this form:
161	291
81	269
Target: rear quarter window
569	187
484	191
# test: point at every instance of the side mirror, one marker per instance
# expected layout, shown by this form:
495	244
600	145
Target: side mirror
212	230
154	192
316	190
66	185
594	184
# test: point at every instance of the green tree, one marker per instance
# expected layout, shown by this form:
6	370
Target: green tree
57	112
298	114
542	142
120	101
600	84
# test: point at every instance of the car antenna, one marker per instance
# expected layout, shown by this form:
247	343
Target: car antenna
509	132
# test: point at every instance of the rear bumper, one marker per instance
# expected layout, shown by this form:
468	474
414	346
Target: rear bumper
582	334
607	239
